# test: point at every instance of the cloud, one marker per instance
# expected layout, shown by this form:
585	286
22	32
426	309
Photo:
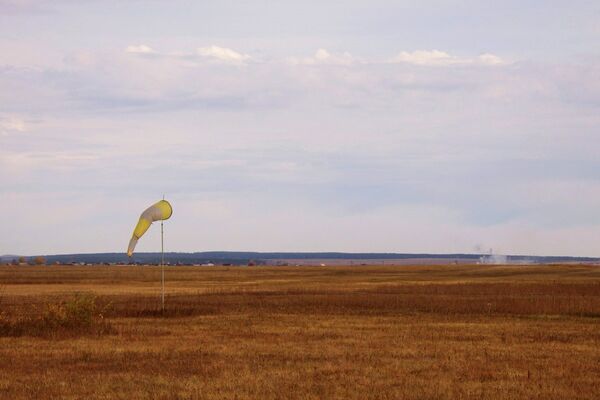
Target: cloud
141	49
222	54
11	124
441	58
490	59
324	57
212	54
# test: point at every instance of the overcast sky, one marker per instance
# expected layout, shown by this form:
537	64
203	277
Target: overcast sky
396	126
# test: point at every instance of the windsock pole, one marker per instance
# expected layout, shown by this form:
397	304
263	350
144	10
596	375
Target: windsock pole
162	265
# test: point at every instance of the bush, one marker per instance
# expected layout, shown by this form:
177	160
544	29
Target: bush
78	315
39	260
78	312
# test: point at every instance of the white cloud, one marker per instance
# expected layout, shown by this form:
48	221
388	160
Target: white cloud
490	59
324	57
441	58
11	124
222	54
424	57
210	53
141	49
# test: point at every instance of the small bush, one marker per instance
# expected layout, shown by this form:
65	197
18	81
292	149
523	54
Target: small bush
78	315
39	260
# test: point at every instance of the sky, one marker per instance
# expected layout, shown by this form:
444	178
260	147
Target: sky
357	126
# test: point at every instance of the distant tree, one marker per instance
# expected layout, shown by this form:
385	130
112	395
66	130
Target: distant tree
39	260
21	260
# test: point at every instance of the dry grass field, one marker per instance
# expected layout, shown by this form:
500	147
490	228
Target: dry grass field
380	332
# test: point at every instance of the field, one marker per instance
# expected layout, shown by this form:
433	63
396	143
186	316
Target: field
368	332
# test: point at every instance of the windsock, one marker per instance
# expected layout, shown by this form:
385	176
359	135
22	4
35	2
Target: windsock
156	212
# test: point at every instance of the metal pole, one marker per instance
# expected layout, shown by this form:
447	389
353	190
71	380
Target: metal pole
162	265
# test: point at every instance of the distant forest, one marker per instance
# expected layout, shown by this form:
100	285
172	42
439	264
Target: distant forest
243	258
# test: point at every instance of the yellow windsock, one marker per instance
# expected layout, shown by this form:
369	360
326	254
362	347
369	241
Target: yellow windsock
156	212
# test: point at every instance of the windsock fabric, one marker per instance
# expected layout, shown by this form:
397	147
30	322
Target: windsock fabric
156	212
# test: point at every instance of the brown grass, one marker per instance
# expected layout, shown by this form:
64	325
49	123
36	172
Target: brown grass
384	332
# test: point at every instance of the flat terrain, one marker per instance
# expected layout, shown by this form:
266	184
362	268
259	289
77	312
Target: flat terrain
379	332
